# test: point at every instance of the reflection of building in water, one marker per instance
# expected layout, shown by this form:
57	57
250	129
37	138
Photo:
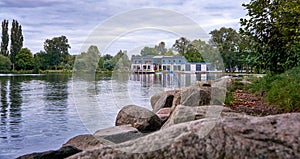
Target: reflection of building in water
171	80
151	64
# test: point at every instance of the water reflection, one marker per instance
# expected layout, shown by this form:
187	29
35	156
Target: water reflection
11	114
39	113
35	110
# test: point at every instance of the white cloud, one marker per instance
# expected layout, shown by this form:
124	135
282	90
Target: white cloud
76	19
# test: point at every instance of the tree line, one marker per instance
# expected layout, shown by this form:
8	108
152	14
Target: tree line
55	55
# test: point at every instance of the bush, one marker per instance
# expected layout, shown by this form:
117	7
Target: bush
281	90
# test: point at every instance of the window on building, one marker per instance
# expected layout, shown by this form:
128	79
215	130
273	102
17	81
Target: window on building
179	60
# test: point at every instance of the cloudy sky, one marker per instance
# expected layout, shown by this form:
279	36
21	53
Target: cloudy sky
114	24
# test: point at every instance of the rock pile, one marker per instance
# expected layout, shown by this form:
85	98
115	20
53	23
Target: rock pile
188	123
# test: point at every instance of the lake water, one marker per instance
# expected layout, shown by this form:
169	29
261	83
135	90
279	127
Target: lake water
41	112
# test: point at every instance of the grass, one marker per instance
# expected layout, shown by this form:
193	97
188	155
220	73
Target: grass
282	90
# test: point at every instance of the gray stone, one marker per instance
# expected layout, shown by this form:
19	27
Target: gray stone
118	134
195	97
86	142
164	101
236	137
138	117
183	114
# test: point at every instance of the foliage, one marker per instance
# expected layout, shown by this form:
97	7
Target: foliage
5	64
284	91
281	90
274	34
190	50
40	60
227	41
24	60
119	62
88	62
148	51
181	45
16	41
5	38
159	49
57	51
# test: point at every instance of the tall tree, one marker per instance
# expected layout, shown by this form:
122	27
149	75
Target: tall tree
57	50
274	33
188	49
181	45
16	38
227	40
161	48
5	38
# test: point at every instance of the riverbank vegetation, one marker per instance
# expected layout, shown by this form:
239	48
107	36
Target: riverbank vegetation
271	94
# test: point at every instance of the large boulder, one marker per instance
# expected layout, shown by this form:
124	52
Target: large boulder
163	100
118	134
138	117
87	142
183	114
192	96
230	137
195	96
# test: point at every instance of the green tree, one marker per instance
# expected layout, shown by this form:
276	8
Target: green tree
148	51
161	48
121	61
57	51
5	38
188	49
208	54
16	41
274	33
24	60
5	64
88	62
181	45
108	65
40	60
107	57
227	40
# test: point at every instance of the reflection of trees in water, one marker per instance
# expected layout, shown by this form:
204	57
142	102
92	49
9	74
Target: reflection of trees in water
11	101
56	92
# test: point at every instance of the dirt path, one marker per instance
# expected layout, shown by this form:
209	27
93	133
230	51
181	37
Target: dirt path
252	104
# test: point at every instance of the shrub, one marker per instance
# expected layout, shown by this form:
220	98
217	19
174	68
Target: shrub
281	90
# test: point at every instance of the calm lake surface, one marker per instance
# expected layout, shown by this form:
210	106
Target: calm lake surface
41	112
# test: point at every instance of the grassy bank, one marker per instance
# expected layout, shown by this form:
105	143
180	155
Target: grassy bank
280	91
